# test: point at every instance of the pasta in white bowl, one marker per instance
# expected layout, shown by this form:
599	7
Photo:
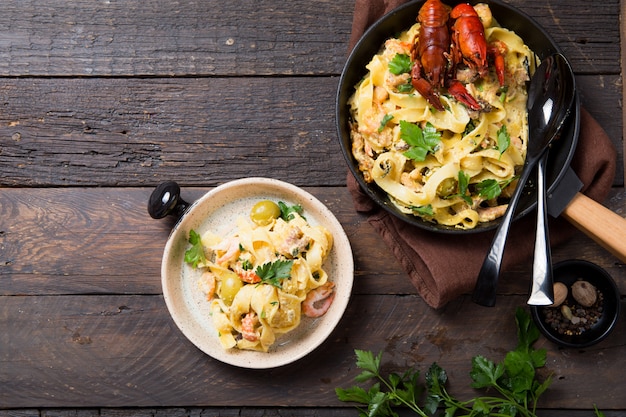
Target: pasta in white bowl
220	219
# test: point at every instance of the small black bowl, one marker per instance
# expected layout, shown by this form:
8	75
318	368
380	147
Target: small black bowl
569	272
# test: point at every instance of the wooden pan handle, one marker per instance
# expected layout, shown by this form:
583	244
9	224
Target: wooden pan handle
604	226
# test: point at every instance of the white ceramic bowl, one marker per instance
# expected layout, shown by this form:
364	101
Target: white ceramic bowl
217	211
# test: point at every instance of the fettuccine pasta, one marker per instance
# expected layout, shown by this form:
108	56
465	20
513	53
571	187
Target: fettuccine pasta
468	168
262	278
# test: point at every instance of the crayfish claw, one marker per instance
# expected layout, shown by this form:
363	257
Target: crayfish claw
459	92
426	90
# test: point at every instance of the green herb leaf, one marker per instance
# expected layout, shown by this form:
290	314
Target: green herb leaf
400	64
513	389
504	140
246	265
484	372
421	142
488	189
502	92
386	119
405	88
287	212
491	188
274	272
353	394
426	210
463	187
195	255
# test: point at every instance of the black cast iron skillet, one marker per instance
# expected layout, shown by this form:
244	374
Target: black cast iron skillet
400	19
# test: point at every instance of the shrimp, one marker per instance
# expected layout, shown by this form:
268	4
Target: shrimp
248	324
208	283
296	242
318	301
230	250
249	277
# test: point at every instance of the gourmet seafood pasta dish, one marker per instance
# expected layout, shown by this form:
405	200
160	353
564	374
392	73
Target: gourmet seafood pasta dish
439	122
266	274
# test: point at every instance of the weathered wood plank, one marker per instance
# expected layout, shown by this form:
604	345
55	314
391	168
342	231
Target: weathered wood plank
299	37
129	132
113	351
102	241
242	412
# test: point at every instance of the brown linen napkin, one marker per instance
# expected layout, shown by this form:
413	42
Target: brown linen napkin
443	267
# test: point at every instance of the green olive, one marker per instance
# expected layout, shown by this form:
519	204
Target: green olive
447	187
230	287
264	212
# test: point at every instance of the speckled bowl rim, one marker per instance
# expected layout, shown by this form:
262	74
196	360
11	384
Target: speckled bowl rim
217	210
564	272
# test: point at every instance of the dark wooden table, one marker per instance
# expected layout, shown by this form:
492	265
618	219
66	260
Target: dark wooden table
102	100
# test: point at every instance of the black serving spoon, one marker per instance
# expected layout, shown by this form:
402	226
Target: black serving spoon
550	97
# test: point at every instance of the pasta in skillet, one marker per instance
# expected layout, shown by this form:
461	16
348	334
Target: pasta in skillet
263	277
465	166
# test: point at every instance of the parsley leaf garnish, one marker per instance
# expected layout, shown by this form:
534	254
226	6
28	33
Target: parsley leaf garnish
400	64
287	212
274	272
405	88
463	186
488	188
195	254
386	119
426	210
491	188
421	141
504	140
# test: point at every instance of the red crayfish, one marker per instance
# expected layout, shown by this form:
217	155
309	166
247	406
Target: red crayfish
447	39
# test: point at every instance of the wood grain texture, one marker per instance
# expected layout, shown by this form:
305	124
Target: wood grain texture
64	241
100	101
112	351
125	38
197	131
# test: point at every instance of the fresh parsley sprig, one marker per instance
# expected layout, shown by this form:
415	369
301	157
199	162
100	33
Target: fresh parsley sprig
400	64
491	188
287	212
463	179
504	139
273	273
195	254
514	380
421	141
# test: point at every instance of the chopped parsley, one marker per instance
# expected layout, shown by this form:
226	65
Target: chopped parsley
400	64
386	119
463	187
426	210
490	188
246	265
405	88
195	254
421	141
502	91
504	140
287	212
274	272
